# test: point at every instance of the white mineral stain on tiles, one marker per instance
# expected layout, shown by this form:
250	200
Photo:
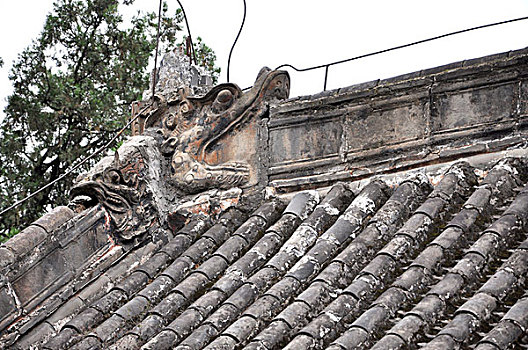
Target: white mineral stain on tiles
313	200
257	252
294	250
401	248
352	217
426	223
133	265
301	234
331	238
364	203
329	209
11	292
503	165
62	322
235	274
509	269
333	317
323	331
300	241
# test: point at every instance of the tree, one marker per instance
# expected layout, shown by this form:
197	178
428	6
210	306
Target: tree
72	90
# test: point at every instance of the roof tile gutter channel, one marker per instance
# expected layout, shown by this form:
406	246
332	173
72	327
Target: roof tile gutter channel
121	295
340	271
153	323
179	284
413	281
463	275
512	326
301	205
338	198
504	282
301	243
459	179
72	332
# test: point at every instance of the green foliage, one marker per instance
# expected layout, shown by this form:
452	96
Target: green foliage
72	90
12	231
205	57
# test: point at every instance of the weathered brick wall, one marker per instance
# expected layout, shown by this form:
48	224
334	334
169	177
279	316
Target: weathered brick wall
440	114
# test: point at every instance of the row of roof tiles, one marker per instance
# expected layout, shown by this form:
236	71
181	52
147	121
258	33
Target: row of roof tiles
379	269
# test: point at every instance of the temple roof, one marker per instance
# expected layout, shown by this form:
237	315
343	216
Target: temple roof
382	266
423	252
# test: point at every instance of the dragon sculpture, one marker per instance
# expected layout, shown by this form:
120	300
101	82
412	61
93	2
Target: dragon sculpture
171	135
190	125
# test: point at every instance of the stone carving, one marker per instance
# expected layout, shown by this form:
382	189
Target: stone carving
176	71
189	125
165	160
122	189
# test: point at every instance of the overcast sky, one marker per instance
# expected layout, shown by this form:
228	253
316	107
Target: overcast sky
306	33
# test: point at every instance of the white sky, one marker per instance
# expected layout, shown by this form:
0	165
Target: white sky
306	33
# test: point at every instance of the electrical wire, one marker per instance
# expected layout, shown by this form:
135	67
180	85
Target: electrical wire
327	65
236	39
188	30
99	150
108	144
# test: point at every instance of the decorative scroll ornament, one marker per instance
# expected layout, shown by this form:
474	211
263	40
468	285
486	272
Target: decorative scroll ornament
190	125
165	160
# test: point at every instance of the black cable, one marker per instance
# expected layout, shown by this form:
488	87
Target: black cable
402	46
188	30
236	39
283	65
99	150
105	146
